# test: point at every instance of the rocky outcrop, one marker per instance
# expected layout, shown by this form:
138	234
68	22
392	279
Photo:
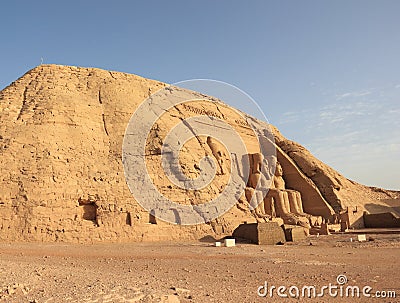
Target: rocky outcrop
62	178
340	192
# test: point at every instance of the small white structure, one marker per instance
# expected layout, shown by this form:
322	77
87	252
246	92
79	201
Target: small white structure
217	244
362	238
230	242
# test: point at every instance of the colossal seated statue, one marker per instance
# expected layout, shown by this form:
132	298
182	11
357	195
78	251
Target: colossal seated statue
292	198
286	203
269	196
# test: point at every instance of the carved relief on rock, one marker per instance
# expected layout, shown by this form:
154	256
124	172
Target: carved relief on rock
270	198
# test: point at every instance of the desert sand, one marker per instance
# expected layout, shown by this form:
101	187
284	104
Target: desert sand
194	271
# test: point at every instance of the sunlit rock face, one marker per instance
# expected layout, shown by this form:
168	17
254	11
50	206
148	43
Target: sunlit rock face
62	177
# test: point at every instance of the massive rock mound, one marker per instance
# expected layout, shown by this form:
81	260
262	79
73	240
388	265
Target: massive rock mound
62	178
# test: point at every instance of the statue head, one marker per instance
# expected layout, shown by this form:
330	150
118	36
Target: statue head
278	170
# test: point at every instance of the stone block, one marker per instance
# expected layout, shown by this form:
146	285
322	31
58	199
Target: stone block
229	242
362	238
267	233
294	233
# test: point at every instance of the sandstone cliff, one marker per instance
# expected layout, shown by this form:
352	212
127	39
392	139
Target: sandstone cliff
339	191
61	132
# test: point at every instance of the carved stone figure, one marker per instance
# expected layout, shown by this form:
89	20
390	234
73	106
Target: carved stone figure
259	177
278	201
218	154
293	201
256	162
286	203
257	186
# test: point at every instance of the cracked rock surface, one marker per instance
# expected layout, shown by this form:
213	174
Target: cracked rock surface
62	178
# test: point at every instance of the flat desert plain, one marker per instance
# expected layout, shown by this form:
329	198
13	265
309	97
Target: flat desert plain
198	271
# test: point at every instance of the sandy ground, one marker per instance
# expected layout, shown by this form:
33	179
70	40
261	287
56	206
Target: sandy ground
196	272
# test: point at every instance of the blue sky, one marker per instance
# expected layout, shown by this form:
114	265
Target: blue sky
327	73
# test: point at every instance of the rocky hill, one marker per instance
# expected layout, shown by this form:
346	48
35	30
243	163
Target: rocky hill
62	178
